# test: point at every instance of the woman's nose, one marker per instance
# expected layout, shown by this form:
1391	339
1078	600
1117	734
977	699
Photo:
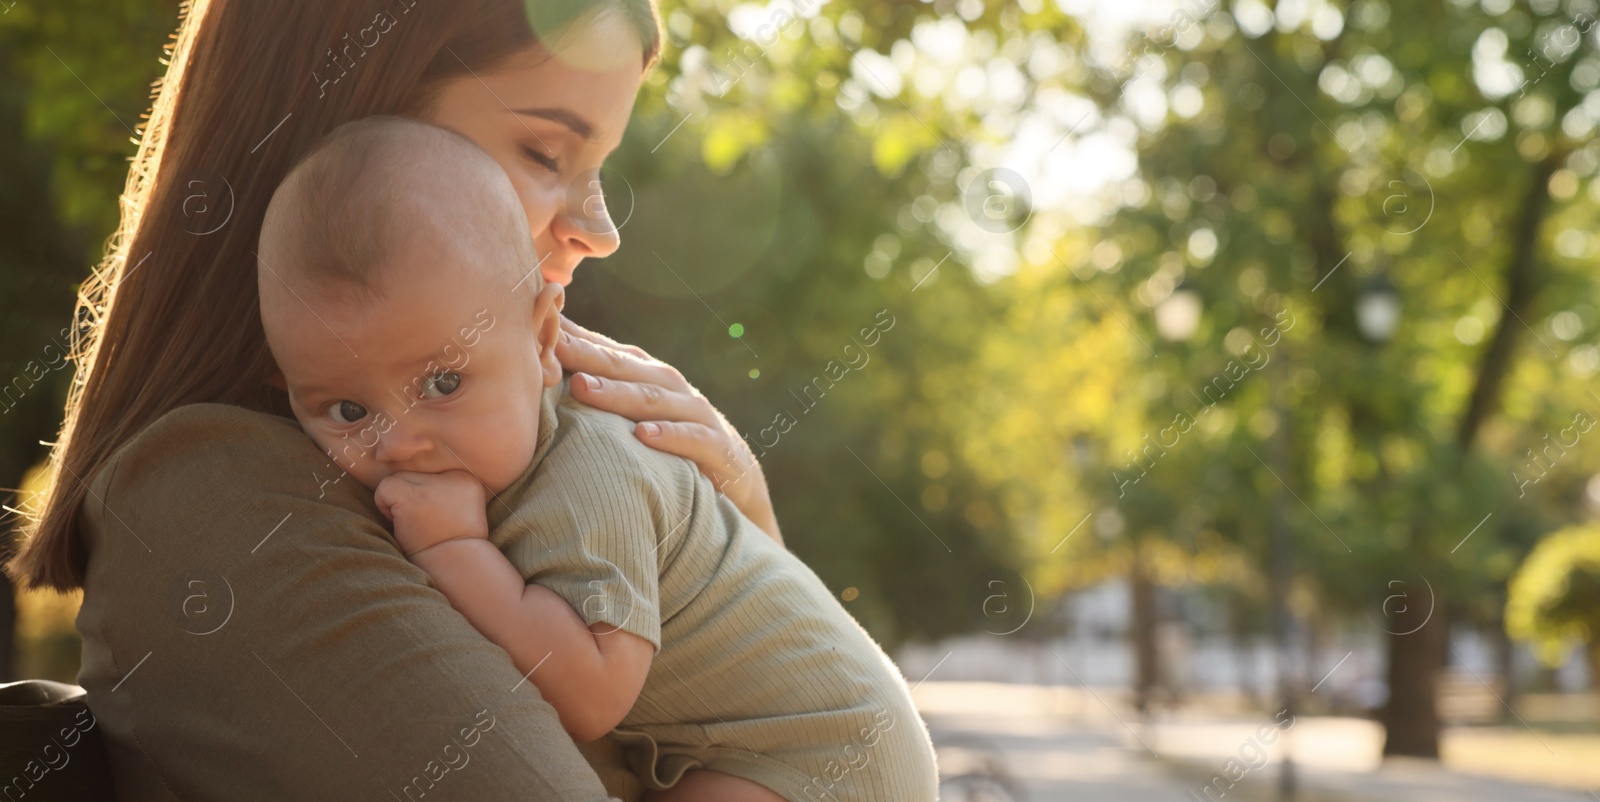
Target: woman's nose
585	227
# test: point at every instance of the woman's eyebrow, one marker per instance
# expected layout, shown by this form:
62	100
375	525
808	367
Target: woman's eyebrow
567	117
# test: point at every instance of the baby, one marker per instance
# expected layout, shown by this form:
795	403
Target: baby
403	304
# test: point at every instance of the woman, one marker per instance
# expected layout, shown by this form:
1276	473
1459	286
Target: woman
250	629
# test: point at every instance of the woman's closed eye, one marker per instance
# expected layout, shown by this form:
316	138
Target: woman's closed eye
538	156
440	385
346	412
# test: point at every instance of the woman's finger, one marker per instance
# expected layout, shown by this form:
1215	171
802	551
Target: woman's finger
724	459
672	415
642	401
581	356
606	352
597	338
693	441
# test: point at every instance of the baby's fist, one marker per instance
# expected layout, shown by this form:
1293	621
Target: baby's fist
430	508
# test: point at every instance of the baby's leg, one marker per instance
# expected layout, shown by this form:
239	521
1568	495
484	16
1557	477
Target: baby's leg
713	786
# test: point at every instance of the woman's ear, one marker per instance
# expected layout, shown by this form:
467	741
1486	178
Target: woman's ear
547	329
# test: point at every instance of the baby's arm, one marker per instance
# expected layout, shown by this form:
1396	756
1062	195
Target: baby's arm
590	675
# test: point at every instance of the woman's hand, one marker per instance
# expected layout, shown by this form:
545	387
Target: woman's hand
670	415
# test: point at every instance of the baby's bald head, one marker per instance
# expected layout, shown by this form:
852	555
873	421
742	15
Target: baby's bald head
377	193
391	266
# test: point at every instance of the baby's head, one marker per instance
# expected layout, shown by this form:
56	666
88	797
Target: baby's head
403	304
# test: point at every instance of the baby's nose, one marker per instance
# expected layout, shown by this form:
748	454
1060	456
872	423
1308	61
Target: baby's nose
401	445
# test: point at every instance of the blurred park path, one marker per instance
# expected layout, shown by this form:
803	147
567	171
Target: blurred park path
1046	742
1055	744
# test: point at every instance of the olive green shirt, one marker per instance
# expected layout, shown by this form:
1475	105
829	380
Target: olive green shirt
252	632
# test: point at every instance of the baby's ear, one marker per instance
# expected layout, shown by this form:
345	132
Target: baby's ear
547	329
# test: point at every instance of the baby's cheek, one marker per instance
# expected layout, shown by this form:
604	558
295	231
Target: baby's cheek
346	455
511	442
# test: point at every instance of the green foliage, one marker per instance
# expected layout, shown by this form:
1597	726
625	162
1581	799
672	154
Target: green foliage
1282	167
1554	600
74	78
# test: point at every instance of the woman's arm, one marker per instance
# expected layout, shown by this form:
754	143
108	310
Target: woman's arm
672	416
246	639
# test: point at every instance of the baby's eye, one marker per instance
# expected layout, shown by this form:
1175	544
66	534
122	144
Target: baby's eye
440	385
346	412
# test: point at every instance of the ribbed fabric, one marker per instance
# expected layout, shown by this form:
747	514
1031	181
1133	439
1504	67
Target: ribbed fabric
759	672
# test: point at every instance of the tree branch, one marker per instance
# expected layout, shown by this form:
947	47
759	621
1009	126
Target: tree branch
1522	286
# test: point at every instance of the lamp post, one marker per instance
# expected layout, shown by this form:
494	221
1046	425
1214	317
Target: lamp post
1177	319
1280	573
1378	309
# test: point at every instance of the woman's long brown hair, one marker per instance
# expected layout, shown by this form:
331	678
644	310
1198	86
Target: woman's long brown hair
170	316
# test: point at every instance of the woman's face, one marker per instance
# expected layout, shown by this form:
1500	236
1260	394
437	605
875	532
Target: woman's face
550	117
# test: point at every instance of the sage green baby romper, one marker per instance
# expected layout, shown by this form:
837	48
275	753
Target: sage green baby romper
759	671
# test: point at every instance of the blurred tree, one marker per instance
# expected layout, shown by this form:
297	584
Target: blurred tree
826	169
1315	300
1554	601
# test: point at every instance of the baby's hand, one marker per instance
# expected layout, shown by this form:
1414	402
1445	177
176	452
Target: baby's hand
431	508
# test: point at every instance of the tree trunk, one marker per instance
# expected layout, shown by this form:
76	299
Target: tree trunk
1594	665
1146	656
1411	718
1505	654
1415	656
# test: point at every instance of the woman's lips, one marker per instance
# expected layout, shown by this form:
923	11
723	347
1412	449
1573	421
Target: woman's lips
559	274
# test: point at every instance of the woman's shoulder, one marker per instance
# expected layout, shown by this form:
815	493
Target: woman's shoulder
226	584
207	445
212	422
